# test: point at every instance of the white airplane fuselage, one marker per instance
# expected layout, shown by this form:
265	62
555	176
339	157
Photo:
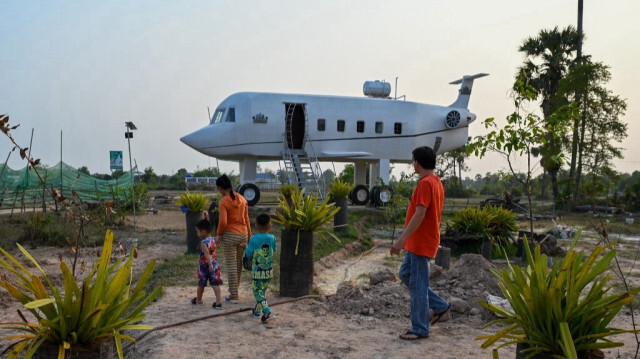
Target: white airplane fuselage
251	126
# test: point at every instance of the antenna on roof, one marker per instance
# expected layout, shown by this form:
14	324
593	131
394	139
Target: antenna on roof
209	112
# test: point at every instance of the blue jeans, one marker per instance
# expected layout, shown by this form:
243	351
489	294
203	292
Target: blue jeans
414	273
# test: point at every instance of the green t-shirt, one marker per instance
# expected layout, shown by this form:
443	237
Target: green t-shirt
261	249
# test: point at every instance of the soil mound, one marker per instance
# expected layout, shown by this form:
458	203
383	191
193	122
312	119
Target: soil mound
469	281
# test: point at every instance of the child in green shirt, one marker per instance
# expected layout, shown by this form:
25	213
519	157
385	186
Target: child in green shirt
260	250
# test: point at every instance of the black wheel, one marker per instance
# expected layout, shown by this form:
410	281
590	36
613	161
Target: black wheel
384	195
250	192
360	195
375	195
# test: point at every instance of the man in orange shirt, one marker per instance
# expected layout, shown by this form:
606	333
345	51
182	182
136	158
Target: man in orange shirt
420	239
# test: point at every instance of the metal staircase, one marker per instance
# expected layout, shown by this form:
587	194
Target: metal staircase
301	165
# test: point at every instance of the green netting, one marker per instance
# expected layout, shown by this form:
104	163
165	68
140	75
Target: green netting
23	187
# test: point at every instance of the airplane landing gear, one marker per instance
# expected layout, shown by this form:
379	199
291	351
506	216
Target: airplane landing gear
359	195
250	192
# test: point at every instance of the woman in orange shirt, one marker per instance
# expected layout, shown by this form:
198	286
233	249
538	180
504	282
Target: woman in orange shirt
234	230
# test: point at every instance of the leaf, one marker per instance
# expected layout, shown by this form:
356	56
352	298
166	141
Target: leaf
39	303
23	152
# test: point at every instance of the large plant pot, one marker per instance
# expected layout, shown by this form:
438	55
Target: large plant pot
296	271
193	241
486	249
341	218
102	350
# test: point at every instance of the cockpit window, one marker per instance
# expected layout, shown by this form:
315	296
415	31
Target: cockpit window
217	116
231	115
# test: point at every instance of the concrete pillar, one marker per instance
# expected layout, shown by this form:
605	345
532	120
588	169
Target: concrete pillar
384	168
248	167
373	175
360	173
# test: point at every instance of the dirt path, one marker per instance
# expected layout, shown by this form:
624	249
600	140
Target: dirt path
360	322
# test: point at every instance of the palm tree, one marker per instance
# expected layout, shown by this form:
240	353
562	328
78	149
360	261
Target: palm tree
548	58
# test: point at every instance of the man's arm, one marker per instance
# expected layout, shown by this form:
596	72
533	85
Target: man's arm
413	225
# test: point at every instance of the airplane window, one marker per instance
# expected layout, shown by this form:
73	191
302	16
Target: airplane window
231	115
340	125
360	126
378	127
217	116
397	128
321	124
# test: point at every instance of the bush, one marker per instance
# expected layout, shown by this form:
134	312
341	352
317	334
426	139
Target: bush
494	223
339	189
105	305
564	312
193	202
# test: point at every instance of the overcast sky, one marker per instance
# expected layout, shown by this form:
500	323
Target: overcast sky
86	67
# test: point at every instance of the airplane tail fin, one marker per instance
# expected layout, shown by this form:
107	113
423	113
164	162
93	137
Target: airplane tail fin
465	89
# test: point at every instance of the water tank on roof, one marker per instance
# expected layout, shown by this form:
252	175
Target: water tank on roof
379	89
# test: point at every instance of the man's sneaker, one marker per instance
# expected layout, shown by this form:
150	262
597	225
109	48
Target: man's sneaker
216	306
256	313
228	299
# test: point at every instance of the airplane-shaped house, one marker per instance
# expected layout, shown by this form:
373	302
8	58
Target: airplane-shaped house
303	130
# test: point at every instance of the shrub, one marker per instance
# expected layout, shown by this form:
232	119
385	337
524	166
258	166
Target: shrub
491	222
561	313
287	190
193	202
104	305
339	189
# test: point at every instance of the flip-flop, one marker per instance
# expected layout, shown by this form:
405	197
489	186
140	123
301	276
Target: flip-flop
413	336
436	317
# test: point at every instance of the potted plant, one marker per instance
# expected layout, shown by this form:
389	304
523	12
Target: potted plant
301	220
338	192
287	191
563	312
192	205
77	321
494	225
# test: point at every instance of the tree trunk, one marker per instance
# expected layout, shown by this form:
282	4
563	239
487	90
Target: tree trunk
193	241
296	271
341	218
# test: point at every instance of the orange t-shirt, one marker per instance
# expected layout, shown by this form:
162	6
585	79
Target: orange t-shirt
429	193
234	215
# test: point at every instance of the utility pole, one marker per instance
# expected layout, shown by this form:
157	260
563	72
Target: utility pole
129	135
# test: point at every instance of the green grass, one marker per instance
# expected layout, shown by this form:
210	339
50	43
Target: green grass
177	271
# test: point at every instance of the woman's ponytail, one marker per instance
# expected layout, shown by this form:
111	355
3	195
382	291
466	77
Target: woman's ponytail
225	183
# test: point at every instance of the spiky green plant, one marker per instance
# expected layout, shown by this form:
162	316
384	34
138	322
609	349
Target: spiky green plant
194	202
561	312
306	214
100	309
287	190
494	223
339	189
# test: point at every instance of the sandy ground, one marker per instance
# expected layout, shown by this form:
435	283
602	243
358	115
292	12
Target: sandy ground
309	328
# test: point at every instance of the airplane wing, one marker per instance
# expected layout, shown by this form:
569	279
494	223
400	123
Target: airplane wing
345	154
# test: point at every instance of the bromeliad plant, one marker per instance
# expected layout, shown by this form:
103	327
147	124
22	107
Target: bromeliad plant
287	190
192	202
564	312
306	214
339	189
494	223
103	306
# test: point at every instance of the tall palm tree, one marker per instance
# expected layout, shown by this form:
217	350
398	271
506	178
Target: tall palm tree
548	58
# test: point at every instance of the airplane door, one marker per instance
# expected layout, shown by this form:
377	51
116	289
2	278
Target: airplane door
295	123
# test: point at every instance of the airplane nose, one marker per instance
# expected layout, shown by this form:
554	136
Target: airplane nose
194	139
